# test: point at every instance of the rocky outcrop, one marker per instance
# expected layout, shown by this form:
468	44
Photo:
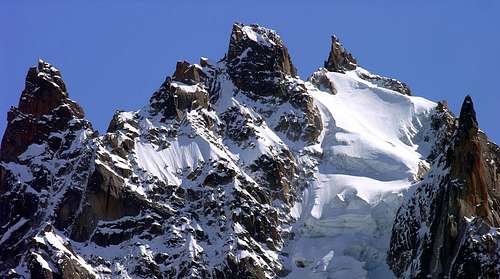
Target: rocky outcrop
44	106
188	73
305	125
385	82
183	92
321	80
339	59
474	163
449	226
258	60
57	177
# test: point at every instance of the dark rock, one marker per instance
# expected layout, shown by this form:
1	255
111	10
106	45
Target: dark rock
220	176
277	173
459	207
388	83
320	80
44	99
339	59
188	73
174	100
304	123
238	125
105	200
470	165
44	91
258	60
467	121
67	209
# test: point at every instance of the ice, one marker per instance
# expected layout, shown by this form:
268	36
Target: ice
371	148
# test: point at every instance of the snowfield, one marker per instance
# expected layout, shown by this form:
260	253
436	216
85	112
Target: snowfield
371	148
372	145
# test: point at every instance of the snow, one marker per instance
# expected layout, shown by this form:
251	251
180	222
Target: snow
32	151
12	229
22	172
57	242
182	153
193	247
369	190
185	87
371	147
256	37
43	263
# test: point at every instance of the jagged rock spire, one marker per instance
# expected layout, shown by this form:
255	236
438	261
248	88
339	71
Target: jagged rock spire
468	164
43	100
456	207
339	59
44	91
467	120
257	57
188	73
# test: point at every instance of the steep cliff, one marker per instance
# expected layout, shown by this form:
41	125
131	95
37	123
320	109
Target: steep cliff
448	227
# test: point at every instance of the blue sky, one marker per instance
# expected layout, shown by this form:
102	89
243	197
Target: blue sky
114	54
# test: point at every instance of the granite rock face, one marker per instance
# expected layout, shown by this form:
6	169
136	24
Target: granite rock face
449	227
339	59
182	92
44	95
46	159
258	60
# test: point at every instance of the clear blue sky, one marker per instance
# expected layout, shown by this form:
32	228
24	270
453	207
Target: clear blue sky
114	54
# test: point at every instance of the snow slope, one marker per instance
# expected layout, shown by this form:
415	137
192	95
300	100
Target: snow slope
371	147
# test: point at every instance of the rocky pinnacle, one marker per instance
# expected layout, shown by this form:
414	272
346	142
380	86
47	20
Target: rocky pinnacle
339	59
258	59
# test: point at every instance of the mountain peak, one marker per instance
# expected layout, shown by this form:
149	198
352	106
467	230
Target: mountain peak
256	33
256	57
44	106
44	91
467	119
339	58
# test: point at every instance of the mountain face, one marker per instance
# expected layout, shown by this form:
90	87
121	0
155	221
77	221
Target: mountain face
240	169
449	227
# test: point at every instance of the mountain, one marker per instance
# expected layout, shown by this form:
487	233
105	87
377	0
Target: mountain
240	169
